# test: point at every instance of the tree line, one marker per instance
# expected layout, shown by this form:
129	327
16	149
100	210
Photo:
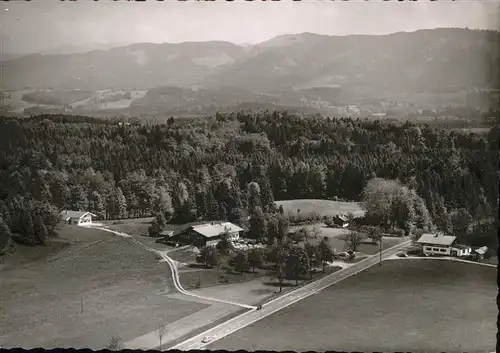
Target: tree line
232	167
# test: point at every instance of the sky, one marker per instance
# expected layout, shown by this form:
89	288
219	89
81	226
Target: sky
27	27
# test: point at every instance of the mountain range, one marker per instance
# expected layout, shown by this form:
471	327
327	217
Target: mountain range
438	66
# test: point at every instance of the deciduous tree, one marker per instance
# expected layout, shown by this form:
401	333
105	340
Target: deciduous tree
297	264
209	256
240	261
353	240
325	253
255	258
257	224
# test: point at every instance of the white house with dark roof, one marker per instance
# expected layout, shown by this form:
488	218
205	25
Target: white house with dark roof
77	217
442	245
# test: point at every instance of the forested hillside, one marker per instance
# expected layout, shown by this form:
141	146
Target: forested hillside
201	168
447	72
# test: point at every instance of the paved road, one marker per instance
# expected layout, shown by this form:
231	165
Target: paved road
282	302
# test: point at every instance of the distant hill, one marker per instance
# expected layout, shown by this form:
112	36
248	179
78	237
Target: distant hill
315	72
80	48
137	66
426	61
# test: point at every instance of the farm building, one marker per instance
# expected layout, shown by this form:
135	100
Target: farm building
341	221
443	245
77	217
208	234
480	252
166	234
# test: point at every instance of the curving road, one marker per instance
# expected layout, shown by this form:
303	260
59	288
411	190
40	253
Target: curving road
282	302
173	270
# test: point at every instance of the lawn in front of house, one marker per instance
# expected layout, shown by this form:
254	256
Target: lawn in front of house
366	247
185	256
410	305
121	285
208	277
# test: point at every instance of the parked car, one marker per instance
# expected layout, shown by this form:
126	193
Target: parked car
347	255
401	254
342	255
206	339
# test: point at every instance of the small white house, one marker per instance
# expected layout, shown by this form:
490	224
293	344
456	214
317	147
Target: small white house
442	245
77	217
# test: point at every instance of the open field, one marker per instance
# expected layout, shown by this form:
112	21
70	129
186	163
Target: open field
251	292
366	247
406	305
334	236
134	227
474	130
137	228
123	288
208	277
325	231
323	207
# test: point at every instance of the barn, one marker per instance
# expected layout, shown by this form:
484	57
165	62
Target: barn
207	234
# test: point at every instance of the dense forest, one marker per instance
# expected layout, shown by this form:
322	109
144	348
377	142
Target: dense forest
214	168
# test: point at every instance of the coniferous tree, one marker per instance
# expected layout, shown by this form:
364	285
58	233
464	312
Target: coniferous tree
461	220
257	224
79	201
5	235
96	205
121	203
442	219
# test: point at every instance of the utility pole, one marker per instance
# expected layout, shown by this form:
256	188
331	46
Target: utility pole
380	252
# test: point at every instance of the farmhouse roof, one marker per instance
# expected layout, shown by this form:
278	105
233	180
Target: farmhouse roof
436	239
342	217
213	230
166	233
75	214
459	246
482	250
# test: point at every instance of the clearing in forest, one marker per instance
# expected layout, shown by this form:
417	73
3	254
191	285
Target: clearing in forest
322	207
